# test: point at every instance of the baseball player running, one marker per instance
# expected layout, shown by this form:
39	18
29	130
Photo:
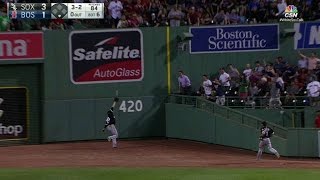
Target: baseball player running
110	124
266	133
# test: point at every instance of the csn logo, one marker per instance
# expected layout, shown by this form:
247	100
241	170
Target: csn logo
291	12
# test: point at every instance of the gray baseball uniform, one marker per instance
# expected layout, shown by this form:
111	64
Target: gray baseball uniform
110	125
265	141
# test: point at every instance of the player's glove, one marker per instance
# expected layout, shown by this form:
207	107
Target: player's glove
116	99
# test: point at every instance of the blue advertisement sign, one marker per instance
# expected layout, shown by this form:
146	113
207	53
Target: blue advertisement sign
218	39
307	35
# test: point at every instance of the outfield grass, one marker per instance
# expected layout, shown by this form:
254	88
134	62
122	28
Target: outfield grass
157	174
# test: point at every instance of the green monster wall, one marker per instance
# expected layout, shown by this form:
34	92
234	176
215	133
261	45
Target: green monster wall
78	112
67	112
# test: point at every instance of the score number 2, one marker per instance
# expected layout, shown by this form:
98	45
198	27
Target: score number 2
133	106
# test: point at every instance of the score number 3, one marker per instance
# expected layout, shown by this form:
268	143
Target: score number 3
133	106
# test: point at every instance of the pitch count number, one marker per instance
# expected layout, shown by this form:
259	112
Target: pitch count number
131	106
94	8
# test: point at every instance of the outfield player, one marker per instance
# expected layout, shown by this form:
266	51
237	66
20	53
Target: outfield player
110	124
266	133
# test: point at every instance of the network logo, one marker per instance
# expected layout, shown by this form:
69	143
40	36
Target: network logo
291	12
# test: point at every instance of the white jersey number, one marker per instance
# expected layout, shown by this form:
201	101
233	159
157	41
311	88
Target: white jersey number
131	106
108	120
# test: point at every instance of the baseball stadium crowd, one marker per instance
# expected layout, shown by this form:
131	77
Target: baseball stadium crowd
263	81
154	13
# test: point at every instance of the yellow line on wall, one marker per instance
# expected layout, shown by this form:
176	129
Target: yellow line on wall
168	60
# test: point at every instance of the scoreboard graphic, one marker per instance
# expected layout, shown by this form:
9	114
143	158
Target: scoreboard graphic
55	10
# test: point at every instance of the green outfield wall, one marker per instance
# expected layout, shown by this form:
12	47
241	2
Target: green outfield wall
26	75
188	122
60	110
78	111
290	118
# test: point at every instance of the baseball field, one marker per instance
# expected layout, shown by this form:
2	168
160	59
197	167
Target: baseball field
147	159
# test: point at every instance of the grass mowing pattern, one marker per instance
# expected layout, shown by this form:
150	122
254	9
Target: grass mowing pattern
157	174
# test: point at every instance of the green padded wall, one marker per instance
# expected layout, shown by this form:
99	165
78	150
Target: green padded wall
188	122
27	75
78	112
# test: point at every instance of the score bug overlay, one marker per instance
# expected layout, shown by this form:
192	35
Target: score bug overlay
55	10
29	10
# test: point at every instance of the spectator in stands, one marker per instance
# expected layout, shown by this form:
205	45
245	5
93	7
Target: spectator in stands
313	89
276	86
226	5
317	71
253	15
293	90
220	18
258	68
154	22
2	9
233	17
184	84
279	64
307	13
303	63
123	23
193	17
135	20
269	71
153	8
234	76
163	21
139	7
263	87
312	60
213	5
272	12
243	89
316	11
279	81
205	19
175	16
247	72
253	90
289	73
262	13
219	92
224	79
317	120
207	86
302	75
282	5
115	7
242	16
